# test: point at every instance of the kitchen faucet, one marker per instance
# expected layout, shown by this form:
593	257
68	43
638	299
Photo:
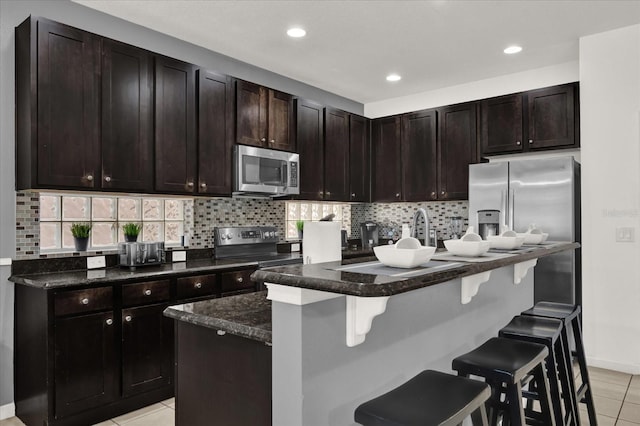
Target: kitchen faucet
414	228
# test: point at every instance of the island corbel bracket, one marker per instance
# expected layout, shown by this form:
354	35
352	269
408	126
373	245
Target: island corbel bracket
360	314
471	284
521	269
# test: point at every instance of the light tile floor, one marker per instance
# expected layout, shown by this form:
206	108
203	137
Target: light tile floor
616	397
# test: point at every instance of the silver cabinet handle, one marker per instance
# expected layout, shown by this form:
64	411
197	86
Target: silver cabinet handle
109	321
442	193
89	178
517	142
353	194
107	178
198	285
263	140
128	318
240	279
530	141
272	141
433	194
221	332
190	184
203	185
147	292
397	195
85	301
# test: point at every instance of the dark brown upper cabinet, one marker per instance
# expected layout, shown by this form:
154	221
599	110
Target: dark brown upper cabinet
386	173
127	118
457	148
418	150
336	153
310	137
359	159
175	126
215	133
57	106
539	119
264	117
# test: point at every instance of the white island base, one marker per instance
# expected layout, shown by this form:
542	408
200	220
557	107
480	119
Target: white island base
318	380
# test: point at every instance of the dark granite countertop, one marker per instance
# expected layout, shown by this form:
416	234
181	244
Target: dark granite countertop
245	315
325	277
54	280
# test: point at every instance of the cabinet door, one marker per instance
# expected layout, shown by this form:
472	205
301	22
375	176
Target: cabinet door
359	157
386	172
502	124
84	363
309	131
281	134
68	93
175	126
551	117
251	114
457	149
147	342
215	133
336	152
127	118
419	156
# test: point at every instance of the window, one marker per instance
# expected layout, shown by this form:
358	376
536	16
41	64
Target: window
313	212
162	219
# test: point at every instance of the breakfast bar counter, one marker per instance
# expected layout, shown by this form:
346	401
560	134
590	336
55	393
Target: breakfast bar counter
344	332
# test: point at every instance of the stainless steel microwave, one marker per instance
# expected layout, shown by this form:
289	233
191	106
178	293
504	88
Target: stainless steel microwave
265	172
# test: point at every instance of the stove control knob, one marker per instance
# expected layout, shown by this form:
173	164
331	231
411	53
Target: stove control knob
268	234
223	237
229	236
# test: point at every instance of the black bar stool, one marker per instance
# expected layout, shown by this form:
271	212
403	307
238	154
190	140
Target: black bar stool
507	365
547	331
430	398
570	316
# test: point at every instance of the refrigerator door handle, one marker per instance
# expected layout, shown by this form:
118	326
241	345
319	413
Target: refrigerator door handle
503	208
512	197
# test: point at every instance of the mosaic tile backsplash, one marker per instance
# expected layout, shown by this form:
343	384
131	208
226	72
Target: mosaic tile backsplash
203	215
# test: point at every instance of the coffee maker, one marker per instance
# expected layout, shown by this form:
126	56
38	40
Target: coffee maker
369	234
488	223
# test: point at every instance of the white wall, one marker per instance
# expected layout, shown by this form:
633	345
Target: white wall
503	85
610	139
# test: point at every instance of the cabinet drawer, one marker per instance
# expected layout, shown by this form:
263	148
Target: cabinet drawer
196	286
239	280
81	301
145	293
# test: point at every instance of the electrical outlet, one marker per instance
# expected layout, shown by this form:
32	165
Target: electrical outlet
96	262
625	235
295	247
179	256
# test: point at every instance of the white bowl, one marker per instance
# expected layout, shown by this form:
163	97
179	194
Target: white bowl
403	257
467	248
505	242
408	243
531	238
545	235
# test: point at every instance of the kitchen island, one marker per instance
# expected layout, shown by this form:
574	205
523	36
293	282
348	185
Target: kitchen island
345	332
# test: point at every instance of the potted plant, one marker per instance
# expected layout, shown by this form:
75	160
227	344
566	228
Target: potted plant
80	232
131	231
299	227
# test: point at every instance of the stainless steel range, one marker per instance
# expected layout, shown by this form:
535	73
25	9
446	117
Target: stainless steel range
252	243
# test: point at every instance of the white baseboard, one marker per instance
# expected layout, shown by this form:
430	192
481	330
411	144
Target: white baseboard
7	411
616	366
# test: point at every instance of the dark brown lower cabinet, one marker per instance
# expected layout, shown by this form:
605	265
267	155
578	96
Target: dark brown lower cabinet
221	379
147	337
85	363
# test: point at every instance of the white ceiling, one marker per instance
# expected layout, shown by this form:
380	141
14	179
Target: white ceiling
352	45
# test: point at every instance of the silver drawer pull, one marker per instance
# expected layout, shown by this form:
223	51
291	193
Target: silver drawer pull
109	321
147	292
85	301
198	285
128	318
221	332
240	279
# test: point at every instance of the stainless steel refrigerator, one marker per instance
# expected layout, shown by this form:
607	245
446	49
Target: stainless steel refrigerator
542	191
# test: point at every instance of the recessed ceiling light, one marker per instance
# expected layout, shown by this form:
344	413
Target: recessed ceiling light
512	49
393	77
296	32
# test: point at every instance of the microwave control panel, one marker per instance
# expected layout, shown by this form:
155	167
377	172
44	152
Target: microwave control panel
293	177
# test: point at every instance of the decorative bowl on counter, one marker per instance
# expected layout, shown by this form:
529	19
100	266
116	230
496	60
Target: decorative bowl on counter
396	257
530	238
467	248
505	242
